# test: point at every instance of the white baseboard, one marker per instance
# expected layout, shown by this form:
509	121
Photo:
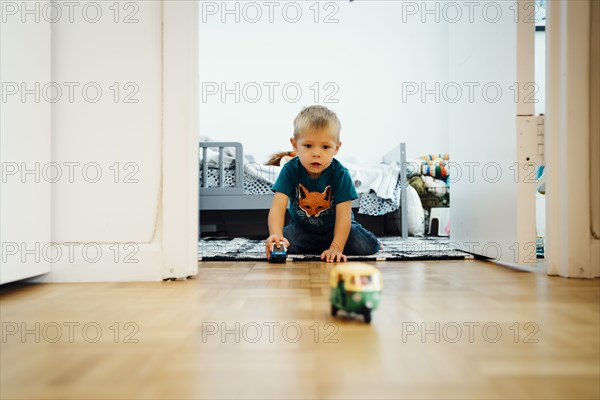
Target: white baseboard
106	263
595	258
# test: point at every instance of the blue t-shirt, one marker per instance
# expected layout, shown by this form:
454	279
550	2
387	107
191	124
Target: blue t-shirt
312	201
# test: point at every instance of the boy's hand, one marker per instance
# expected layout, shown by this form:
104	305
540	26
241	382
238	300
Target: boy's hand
333	254
275	238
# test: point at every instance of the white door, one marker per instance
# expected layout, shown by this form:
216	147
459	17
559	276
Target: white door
25	141
492	131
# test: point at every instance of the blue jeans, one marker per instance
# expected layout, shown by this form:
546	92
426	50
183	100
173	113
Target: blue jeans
360	241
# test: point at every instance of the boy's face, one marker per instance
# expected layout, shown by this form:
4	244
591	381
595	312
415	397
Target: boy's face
316	149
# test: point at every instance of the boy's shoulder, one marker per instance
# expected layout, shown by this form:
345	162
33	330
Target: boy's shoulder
292	163
337	164
338	167
289	171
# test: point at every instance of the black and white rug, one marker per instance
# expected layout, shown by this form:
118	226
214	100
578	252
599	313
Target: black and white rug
413	248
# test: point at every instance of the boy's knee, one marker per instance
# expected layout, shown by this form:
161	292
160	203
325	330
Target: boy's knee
362	245
370	247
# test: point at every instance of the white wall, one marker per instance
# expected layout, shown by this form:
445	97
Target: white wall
492	212
132	213
365	57
119	207
24	144
540	72
571	251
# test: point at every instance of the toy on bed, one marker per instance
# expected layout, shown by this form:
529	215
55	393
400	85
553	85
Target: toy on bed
429	174
435	165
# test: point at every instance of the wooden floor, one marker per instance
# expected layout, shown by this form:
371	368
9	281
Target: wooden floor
464	329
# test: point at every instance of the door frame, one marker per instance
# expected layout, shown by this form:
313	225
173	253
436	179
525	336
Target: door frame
180	175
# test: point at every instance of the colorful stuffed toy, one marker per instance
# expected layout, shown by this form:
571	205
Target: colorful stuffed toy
435	165
431	157
437	169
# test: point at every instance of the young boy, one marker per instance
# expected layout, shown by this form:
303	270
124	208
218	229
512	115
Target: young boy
320	192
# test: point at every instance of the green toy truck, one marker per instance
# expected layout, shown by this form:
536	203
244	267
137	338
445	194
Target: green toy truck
355	288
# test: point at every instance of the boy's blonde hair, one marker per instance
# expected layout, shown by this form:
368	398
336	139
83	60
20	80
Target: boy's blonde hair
317	117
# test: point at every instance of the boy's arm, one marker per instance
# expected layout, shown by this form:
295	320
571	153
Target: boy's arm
276	220
343	223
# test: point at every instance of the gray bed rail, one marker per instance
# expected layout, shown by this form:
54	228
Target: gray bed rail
228	198
398	153
238	189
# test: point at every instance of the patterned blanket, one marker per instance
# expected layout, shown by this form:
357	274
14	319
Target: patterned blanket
413	248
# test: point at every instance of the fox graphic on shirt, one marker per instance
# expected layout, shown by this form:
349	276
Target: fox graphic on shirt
313	203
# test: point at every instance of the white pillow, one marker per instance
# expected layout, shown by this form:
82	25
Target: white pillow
415	213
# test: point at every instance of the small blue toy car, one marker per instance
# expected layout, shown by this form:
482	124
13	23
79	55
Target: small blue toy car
278	255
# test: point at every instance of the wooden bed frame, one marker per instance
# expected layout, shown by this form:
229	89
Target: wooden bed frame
233	198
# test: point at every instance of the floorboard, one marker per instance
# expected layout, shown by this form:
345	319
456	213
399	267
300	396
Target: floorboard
451	329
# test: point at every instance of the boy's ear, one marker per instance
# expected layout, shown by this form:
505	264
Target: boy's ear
293	142
337	148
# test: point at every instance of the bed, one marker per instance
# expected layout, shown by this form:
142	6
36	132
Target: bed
231	181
